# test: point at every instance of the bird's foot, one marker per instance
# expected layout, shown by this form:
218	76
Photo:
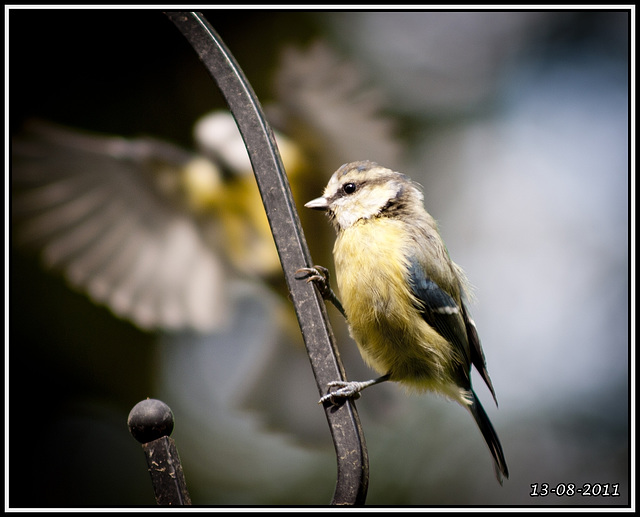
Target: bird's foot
319	275
346	390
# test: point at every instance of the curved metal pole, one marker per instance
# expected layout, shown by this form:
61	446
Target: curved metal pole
346	431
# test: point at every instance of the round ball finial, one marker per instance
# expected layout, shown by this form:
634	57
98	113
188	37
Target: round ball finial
149	420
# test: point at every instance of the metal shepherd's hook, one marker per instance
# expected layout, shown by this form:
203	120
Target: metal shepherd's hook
346	431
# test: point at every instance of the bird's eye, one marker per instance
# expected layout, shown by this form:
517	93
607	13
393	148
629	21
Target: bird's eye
349	188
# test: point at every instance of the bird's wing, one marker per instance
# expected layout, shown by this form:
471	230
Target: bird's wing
451	320
333	111
95	207
440	310
475	349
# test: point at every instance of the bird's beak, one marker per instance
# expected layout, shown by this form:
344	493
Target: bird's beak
320	203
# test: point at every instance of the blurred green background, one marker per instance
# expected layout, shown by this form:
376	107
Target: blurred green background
515	123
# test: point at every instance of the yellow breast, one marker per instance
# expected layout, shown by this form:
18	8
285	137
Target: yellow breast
371	271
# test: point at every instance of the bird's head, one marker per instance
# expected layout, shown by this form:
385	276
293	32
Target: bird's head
365	190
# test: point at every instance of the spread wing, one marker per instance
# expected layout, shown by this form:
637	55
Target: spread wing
334	113
94	207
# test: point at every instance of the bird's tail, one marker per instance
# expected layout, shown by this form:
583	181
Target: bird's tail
490	436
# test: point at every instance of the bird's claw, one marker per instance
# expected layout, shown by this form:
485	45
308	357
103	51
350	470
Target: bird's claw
346	390
319	275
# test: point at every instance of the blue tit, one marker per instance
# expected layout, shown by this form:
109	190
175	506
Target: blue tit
149	229
403	297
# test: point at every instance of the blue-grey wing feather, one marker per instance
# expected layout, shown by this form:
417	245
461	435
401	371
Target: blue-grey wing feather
440	310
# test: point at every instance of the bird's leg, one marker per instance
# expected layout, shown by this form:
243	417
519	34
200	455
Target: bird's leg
346	389
320	277
349	389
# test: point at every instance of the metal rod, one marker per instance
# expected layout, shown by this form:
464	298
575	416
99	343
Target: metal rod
151	422
346	431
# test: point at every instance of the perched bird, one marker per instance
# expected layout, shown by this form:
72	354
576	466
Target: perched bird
402	295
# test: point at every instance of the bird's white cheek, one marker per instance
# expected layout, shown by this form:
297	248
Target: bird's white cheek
348	213
346	219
